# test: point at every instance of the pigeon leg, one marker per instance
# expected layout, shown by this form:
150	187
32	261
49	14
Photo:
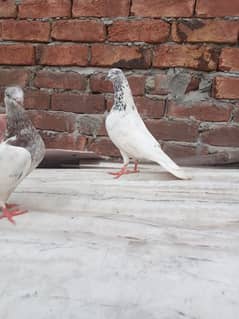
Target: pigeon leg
10	214
135	167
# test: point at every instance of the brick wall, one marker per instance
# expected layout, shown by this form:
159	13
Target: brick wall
181	58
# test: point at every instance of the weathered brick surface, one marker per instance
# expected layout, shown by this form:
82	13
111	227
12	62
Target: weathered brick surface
150	108
104	146
25	30
236	114
176	151
181	59
226	87
35	99
79	30
100	8
219	8
173	130
10	77
229	59
44	8
2	126
188	56
158	84
60	80
99	84
63	54
203	111
162	8
119	56
8	9
222	136
17	54
78	103
205	30
54	121
64	140
145	30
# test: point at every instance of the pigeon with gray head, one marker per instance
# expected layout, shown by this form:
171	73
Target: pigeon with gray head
128	132
21	151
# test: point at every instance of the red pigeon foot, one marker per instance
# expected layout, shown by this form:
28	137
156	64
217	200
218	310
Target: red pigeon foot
6	213
124	171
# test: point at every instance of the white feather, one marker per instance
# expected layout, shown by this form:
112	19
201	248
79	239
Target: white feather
15	163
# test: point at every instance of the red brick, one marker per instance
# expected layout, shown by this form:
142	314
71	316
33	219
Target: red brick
222	136
25	30
204	111
8	9
179	150
137	84
64	140
162	8
193	84
17	54
229	59
2	126
78	103
150	108
100	8
207	30
64	54
173	130
11	77
236	114
44	8
119	56
103	146
189	56
145	30
35	99
54	121
158	84
79	30
91	125
226	87
219	8
60	80
98	84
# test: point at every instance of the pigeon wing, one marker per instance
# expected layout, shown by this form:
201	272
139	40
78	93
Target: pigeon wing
15	163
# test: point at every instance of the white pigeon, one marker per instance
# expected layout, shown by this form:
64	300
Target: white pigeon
128	132
20	153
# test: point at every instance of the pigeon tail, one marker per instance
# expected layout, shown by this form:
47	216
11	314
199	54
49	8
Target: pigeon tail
165	161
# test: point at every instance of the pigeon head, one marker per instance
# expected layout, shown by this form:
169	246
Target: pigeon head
115	75
14	95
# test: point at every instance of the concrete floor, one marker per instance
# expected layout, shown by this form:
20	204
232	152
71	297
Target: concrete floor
146	246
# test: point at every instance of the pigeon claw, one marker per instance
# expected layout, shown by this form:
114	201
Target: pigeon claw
6	213
124	171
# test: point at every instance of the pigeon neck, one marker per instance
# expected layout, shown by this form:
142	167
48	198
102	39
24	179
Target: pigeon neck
123	98
16	119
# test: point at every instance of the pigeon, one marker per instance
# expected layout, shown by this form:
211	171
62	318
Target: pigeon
129	134
21	151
